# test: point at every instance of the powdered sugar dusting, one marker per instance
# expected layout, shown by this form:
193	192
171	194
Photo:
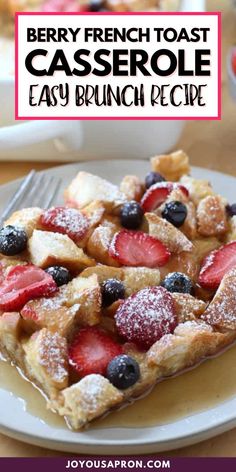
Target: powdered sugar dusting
68	221
208	262
106	235
222	310
52	353
94	390
146	316
211	216
165	232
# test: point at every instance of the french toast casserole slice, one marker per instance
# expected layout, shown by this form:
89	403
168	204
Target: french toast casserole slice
119	288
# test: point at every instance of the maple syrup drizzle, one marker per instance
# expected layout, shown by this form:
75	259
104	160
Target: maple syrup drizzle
211	383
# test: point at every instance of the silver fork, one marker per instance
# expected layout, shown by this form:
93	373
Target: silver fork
35	190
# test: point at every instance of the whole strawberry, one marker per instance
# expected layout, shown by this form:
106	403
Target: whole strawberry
146	316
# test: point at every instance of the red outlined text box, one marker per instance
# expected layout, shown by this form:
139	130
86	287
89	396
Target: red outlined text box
216	116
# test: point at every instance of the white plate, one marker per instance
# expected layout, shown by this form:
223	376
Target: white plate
20	424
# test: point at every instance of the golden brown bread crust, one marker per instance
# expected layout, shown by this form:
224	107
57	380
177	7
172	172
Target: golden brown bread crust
47	249
221	311
28	219
172	166
211	216
46	361
191	342
76	304
85	188
170	236
132	187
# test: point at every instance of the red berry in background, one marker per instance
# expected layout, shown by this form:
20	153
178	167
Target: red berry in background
146	316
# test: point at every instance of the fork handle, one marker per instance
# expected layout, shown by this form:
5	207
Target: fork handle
67	135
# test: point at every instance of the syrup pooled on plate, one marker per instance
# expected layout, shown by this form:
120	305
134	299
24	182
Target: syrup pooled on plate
31	399
196	390
211	383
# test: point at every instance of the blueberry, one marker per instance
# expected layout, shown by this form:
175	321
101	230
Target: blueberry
61	275
13	240
153	178
96	5
178	282
175	212
231	209
131	215
112	290
123	371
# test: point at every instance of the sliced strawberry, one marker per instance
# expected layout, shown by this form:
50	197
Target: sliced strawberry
91	351
158	193
135	248
65	220
24	283
146	316
216	265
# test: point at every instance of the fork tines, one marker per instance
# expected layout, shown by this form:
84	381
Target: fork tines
36	189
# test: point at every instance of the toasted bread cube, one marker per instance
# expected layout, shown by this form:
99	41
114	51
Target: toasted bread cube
28	219
10	331
77	303
95	212
191	342
86	293
189	227
88	399
99	243
47	249
171	166
211	216
46	361
86	188
103	272
133	278
221	313
165	232
137	278
187	261
50	313
198	189
132	187
187	307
